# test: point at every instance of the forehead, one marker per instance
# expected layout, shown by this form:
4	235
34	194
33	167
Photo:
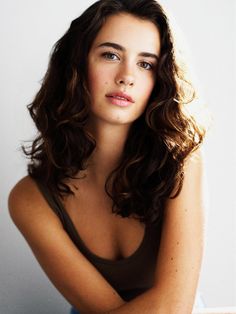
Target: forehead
131	32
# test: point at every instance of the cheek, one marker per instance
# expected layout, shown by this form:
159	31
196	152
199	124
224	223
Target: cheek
98	78
146	86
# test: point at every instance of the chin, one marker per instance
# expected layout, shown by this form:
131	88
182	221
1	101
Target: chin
113	119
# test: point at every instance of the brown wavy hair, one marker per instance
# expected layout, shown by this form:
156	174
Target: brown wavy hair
158	142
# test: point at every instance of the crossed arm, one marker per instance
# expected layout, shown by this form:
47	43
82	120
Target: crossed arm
178	263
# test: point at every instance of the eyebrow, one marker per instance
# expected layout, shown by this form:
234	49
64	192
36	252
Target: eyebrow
121	48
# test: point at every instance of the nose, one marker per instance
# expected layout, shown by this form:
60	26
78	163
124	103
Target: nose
125	77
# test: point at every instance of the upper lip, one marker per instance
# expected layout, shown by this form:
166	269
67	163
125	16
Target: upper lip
120	94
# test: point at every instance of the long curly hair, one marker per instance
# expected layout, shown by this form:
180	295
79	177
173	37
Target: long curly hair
158	142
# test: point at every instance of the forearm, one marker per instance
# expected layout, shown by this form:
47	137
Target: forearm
145	303
101	303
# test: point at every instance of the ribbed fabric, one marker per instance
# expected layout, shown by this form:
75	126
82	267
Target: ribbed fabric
129	276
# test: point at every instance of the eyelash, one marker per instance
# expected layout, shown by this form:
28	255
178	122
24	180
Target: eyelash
105	54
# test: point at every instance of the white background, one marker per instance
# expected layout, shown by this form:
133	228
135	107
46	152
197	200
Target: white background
28	30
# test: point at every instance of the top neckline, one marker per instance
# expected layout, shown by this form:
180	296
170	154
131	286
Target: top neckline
119	261
95	256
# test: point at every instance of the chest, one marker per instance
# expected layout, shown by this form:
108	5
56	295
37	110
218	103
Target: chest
105	234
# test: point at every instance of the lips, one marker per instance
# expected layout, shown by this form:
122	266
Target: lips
121	96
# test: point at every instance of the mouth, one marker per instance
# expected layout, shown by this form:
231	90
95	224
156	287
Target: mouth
120	95
120	99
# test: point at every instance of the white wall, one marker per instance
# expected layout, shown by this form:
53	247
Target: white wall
28	29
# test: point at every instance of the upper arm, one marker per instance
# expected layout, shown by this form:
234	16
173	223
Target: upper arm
67	268
182	242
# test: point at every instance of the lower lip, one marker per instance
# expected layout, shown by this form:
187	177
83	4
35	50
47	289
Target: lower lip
119	102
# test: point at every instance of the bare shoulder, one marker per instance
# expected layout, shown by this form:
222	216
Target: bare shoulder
22	194
24	188
194	173
26	201
194	179
197	157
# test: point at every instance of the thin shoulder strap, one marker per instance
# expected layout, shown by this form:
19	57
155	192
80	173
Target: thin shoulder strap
52	201
58	207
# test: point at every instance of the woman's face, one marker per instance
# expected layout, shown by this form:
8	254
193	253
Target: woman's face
121	68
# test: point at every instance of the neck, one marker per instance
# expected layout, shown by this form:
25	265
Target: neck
110	141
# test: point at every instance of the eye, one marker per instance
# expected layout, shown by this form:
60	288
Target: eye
146	65
110	55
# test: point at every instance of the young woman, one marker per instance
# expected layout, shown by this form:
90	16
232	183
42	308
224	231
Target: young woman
112	206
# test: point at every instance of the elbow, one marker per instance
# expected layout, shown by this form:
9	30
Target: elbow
170	304
173	309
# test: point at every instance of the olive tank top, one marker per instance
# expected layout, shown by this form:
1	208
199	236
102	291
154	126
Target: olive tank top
130	276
